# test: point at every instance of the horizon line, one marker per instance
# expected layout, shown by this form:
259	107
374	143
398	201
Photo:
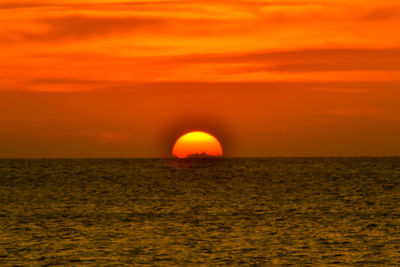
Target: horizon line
175	158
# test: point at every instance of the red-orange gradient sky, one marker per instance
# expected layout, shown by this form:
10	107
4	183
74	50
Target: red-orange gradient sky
106	78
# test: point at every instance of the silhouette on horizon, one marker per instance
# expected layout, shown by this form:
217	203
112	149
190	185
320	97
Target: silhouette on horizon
202	155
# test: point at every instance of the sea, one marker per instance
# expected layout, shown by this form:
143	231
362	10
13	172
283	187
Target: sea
200	212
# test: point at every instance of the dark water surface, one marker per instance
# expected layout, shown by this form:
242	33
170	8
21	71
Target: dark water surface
257	212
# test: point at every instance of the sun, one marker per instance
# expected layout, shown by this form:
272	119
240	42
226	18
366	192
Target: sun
197	144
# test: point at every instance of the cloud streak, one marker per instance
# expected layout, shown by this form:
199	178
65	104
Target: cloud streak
81	27
82	71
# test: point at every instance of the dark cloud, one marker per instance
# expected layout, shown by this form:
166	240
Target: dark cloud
366	65
80	27
294	55
383	13
21	5
307	60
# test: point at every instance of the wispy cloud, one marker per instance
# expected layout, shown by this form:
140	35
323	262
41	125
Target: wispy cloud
180	41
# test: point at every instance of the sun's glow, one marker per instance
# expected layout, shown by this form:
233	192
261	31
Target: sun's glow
197	144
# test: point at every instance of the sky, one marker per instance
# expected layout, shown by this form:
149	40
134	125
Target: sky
125	78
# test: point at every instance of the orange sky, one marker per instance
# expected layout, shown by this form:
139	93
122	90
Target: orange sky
109	78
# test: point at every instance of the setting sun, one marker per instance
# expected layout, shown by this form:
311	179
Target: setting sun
197	144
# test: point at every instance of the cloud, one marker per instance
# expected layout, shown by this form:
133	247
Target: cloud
89	71
232	87
311	60
295	55
71	84
383	13
80	27
336	66
326	87
83	20
123	4
20	5
83	27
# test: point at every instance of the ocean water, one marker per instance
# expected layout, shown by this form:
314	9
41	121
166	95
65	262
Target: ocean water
200	212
